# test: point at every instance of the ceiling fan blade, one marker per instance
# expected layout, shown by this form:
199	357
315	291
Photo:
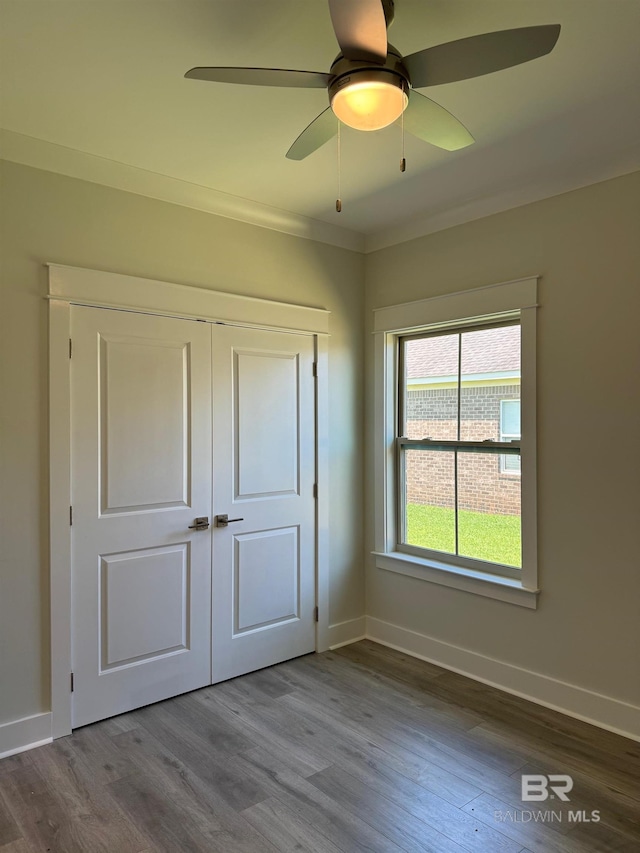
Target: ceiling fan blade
321	129
262	77
361	29
478	55
431	122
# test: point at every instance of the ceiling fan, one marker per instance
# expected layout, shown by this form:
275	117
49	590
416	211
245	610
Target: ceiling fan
370	84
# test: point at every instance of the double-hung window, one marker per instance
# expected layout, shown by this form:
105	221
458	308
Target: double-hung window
452	501
455	468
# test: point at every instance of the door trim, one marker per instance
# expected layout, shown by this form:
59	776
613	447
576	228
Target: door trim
76	286
144	295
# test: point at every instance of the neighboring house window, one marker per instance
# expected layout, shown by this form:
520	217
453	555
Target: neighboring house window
451	379
509	431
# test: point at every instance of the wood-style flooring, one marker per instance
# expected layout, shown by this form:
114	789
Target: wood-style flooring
361	749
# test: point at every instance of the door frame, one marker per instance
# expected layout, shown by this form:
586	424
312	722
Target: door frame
70	286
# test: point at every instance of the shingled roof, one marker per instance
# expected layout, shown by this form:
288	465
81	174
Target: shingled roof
483	351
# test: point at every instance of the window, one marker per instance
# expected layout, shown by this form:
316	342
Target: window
451	499
510	431
455	489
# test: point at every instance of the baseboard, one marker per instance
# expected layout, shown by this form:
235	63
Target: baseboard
595	708
344	633
26	733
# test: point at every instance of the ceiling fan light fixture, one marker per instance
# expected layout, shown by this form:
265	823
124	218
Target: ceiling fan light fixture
369	100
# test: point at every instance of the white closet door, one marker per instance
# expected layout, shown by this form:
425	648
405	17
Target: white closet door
141	474
264	474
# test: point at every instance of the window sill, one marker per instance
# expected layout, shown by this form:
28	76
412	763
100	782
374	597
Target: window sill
468	580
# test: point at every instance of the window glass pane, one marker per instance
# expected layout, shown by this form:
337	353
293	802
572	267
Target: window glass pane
431	387
490	374
429	495
510	419
488	510
510	464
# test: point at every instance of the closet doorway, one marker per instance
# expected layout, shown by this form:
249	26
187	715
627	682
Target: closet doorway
193	540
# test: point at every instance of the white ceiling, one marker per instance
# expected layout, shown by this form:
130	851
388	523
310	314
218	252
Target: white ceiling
105	77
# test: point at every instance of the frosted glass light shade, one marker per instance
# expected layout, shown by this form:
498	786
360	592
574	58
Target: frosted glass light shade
369	105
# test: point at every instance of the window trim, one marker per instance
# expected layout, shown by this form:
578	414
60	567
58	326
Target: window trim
501	302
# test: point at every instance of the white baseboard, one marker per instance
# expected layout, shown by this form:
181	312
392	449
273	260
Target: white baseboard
619	717
344	633
595	708
26	733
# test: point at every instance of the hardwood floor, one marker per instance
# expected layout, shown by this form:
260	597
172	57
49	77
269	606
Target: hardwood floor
362	749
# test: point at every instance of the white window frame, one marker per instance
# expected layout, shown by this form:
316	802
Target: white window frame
511	300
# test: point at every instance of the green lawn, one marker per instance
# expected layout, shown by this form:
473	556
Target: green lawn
486	537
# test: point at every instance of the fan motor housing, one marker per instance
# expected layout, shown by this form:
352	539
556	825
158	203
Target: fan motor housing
345	71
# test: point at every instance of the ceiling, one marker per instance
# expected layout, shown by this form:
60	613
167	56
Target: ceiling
105	78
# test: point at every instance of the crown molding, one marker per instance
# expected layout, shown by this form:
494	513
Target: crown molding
40	154
502	199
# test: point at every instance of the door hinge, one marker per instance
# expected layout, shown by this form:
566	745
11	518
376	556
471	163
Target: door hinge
70	516
315	614
72	682
315	490
315	369
70	347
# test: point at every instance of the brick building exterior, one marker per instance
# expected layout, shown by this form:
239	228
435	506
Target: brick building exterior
483	485
490	375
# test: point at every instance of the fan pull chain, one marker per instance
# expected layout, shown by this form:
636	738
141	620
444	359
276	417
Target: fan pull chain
339	200
403	162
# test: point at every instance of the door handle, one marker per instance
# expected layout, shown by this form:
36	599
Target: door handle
202	523
224	520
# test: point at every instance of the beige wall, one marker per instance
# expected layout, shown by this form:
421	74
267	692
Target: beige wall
48	217
585	245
